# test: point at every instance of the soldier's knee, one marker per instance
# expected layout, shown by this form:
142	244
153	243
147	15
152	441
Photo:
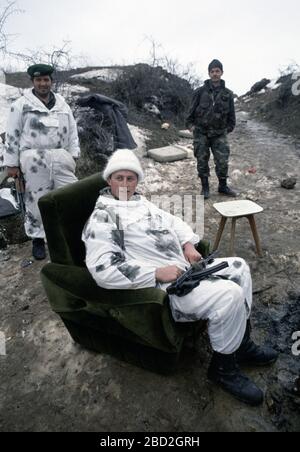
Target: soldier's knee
234	296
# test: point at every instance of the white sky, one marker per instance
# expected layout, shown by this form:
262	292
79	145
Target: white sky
253	39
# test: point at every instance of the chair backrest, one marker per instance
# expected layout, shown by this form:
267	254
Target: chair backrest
64	213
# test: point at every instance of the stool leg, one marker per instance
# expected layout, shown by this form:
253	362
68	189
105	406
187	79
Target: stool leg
233	227
255	235
220	232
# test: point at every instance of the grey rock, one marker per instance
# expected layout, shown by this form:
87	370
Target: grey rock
167	154
186	134
289	183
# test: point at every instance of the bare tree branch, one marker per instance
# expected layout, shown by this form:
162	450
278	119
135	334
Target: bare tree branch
61	58
5	12
171	64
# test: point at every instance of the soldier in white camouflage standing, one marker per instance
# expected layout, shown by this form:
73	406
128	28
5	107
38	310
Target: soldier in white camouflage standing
42	143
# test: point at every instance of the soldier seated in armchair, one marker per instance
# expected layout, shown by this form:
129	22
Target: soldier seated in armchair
132	244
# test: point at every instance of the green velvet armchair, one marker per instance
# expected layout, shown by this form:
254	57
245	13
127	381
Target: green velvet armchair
133	325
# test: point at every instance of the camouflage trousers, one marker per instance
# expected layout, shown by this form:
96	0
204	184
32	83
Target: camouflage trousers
221	152
44	171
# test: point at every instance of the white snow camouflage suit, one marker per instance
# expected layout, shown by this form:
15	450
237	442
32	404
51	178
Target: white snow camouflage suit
43	143
127	241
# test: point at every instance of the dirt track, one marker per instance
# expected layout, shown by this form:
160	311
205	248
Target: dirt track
47	383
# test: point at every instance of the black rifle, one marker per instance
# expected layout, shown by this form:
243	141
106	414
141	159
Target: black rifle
20	192
194	275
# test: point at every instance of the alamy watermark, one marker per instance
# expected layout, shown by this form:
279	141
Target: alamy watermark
296	346
296	85
2	344
185	208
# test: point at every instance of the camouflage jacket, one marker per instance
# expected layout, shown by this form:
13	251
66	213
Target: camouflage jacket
127	241
31	125
212	110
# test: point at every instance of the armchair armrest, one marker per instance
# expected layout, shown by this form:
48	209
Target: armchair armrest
203	247
78	281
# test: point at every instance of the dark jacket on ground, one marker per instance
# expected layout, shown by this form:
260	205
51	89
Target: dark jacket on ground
212	111
116	113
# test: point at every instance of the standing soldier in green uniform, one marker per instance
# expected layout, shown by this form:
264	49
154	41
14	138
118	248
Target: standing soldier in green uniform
212	117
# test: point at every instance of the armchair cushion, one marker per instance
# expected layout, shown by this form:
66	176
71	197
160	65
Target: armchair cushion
144	312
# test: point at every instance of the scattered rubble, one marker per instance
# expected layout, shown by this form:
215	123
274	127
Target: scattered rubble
289	183
151	108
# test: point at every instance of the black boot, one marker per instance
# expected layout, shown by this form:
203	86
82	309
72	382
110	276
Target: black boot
225	372
251	354
205	187
224	189
38	249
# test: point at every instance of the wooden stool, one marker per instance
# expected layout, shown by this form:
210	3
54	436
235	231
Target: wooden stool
235	210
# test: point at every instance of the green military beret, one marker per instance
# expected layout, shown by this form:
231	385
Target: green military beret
39	70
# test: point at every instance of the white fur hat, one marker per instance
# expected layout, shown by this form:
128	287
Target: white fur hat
123	159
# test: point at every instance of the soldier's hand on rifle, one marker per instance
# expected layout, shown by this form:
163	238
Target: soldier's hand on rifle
13	171
168	274
191	254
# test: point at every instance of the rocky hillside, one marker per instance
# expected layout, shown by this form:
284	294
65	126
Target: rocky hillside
141	87
277	102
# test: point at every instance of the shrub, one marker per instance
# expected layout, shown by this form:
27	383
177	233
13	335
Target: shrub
141	84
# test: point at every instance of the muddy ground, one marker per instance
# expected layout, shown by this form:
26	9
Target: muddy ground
48	383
